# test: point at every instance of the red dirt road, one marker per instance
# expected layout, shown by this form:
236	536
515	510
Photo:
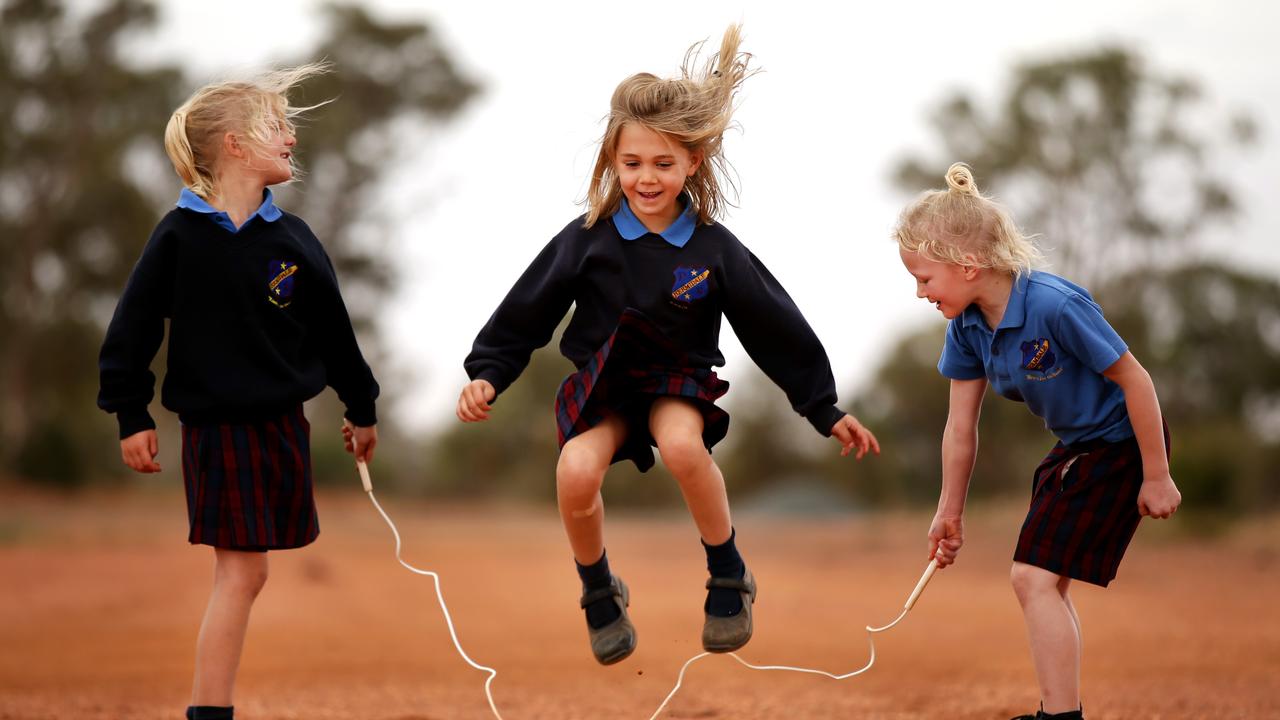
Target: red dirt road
103	597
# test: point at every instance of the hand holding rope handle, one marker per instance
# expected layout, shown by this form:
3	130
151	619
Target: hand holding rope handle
361	466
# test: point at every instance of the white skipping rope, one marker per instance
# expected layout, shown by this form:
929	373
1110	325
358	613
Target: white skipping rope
488	689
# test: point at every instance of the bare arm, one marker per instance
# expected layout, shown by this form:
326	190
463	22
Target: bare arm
959	449
1159	496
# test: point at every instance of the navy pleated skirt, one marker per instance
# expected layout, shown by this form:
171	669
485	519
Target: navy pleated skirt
1084	509
249	484
634	367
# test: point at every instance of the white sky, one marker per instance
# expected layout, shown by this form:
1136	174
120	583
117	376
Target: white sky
846	92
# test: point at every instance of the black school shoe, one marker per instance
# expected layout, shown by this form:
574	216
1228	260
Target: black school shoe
726	634
615	641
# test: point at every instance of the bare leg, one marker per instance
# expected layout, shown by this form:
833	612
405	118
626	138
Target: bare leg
1054	634
238	577
676	425
579	476
1064	584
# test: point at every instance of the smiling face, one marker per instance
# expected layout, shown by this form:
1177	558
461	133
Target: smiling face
651	170
948	286
275	158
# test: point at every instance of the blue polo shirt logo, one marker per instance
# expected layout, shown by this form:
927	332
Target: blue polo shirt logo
1037	357
691	283
280	274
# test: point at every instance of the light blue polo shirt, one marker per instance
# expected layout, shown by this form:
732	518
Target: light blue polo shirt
1049	352
267	210
677	233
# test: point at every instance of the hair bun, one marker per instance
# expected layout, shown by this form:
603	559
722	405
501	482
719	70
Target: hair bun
960	179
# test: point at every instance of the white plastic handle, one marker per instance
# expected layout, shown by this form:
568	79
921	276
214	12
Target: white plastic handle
361	466
924	580
364	475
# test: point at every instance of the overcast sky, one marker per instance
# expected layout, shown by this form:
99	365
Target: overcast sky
845	93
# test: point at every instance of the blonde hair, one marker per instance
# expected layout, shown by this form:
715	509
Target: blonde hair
693	110
250	108
961	226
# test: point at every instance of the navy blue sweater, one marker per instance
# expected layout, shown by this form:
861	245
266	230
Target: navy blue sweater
685	291
256	326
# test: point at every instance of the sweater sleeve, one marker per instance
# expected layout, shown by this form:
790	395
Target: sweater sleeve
345	368
778	338
527	317
126	384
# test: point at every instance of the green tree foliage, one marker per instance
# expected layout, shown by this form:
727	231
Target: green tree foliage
77	127
81	162
390	82
1081	149
1210	337
1095	152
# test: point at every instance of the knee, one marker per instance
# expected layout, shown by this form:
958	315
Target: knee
579	474
245	576
683	454
1029	582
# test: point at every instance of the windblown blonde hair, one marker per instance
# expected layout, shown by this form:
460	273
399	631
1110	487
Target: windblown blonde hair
250	108
693	110
961	226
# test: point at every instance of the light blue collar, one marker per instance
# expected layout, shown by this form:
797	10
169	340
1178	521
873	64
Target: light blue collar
267	210
677	233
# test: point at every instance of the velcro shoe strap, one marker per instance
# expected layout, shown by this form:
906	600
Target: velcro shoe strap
728	584
603	593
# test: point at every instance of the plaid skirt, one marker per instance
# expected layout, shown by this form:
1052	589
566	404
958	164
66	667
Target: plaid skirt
634	367
1084	509
249	484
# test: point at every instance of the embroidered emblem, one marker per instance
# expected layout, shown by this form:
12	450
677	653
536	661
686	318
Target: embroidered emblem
691	283
280	288
1037	357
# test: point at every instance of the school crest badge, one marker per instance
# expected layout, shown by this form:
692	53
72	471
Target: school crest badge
1037	356
691	283
280	277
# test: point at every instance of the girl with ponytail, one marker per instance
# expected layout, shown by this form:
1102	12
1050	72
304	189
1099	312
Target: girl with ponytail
256	327
1039	339
651	274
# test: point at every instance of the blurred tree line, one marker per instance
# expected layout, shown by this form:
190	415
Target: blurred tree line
1099	156
1097	153
84	179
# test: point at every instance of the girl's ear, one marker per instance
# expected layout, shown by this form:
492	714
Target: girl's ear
970	267
695	162
231	145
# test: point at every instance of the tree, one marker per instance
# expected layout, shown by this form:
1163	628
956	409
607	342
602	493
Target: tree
78	128
1210	336
392	82
80	154
1081	149
1096	153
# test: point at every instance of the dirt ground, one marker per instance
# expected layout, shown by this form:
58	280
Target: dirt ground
102	599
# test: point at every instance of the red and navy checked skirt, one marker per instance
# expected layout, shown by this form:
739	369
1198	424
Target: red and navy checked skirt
249	485
1084	509
634	367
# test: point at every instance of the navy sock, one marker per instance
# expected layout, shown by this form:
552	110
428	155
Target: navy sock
210	712
596	576
723	561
